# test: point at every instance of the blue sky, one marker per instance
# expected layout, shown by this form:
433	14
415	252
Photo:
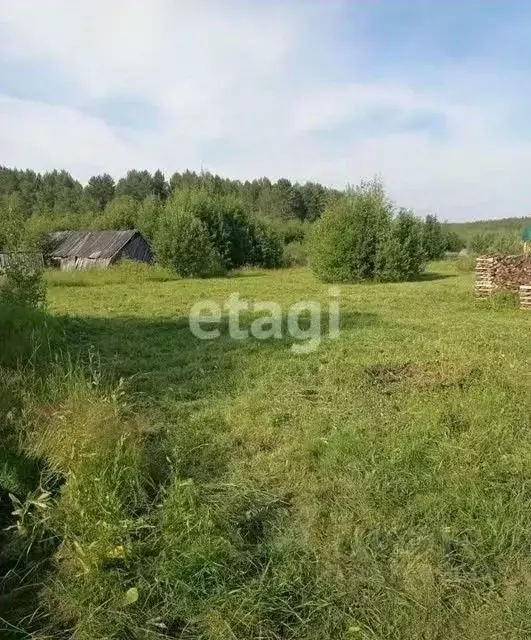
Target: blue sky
433	96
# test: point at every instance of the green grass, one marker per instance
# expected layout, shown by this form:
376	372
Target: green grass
123	273
505	226
377	488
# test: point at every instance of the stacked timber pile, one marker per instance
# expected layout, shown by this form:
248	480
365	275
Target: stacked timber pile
525	296
502	273
512	271
484	276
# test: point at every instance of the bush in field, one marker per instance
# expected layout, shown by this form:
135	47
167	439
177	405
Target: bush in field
295	255
508	243
452	240
345	243
266	246
358	238
223	219
433	241
229	237
239	238
182	242
401	256
505	243
12	221
482	243
22	283
289	230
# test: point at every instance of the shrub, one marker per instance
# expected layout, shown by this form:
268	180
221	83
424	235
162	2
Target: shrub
453	241
482	243
148	216
507	244
120	213
182	242
266	246
402	256
23	284
433	241
295	255
345	243
223	219
290	230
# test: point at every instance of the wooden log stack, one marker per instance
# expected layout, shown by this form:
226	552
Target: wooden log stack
484	276
525	296
513	271
502	273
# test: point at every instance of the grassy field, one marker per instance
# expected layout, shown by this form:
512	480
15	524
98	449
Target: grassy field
378	488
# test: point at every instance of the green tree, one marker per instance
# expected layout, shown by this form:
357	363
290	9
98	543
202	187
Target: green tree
120	213
100	189
345	243
22	283
225	220
184	181
314	196
452	240
401	255
12	221
355	229
182	242
58	193
159	187
289	200
28	187
148	216
266	245
357	238
432	239
136	184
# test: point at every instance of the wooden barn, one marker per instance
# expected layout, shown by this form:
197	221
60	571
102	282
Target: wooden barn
96	249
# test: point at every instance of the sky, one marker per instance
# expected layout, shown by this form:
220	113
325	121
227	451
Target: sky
432	96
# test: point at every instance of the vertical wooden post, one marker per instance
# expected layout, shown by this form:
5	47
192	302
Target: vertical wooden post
484	277
525	296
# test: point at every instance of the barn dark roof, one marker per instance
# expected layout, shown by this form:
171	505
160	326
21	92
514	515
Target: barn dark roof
89	244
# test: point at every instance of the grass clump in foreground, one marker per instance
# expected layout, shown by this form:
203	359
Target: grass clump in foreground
377	488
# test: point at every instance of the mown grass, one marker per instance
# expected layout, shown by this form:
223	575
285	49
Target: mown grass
377	488
123	273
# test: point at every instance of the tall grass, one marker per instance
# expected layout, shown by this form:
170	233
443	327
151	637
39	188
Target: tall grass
378	488
125	272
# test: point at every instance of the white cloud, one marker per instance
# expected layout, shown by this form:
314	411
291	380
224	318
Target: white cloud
235	94
42	137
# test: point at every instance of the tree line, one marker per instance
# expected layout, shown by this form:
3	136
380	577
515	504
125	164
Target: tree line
203	224
57	192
